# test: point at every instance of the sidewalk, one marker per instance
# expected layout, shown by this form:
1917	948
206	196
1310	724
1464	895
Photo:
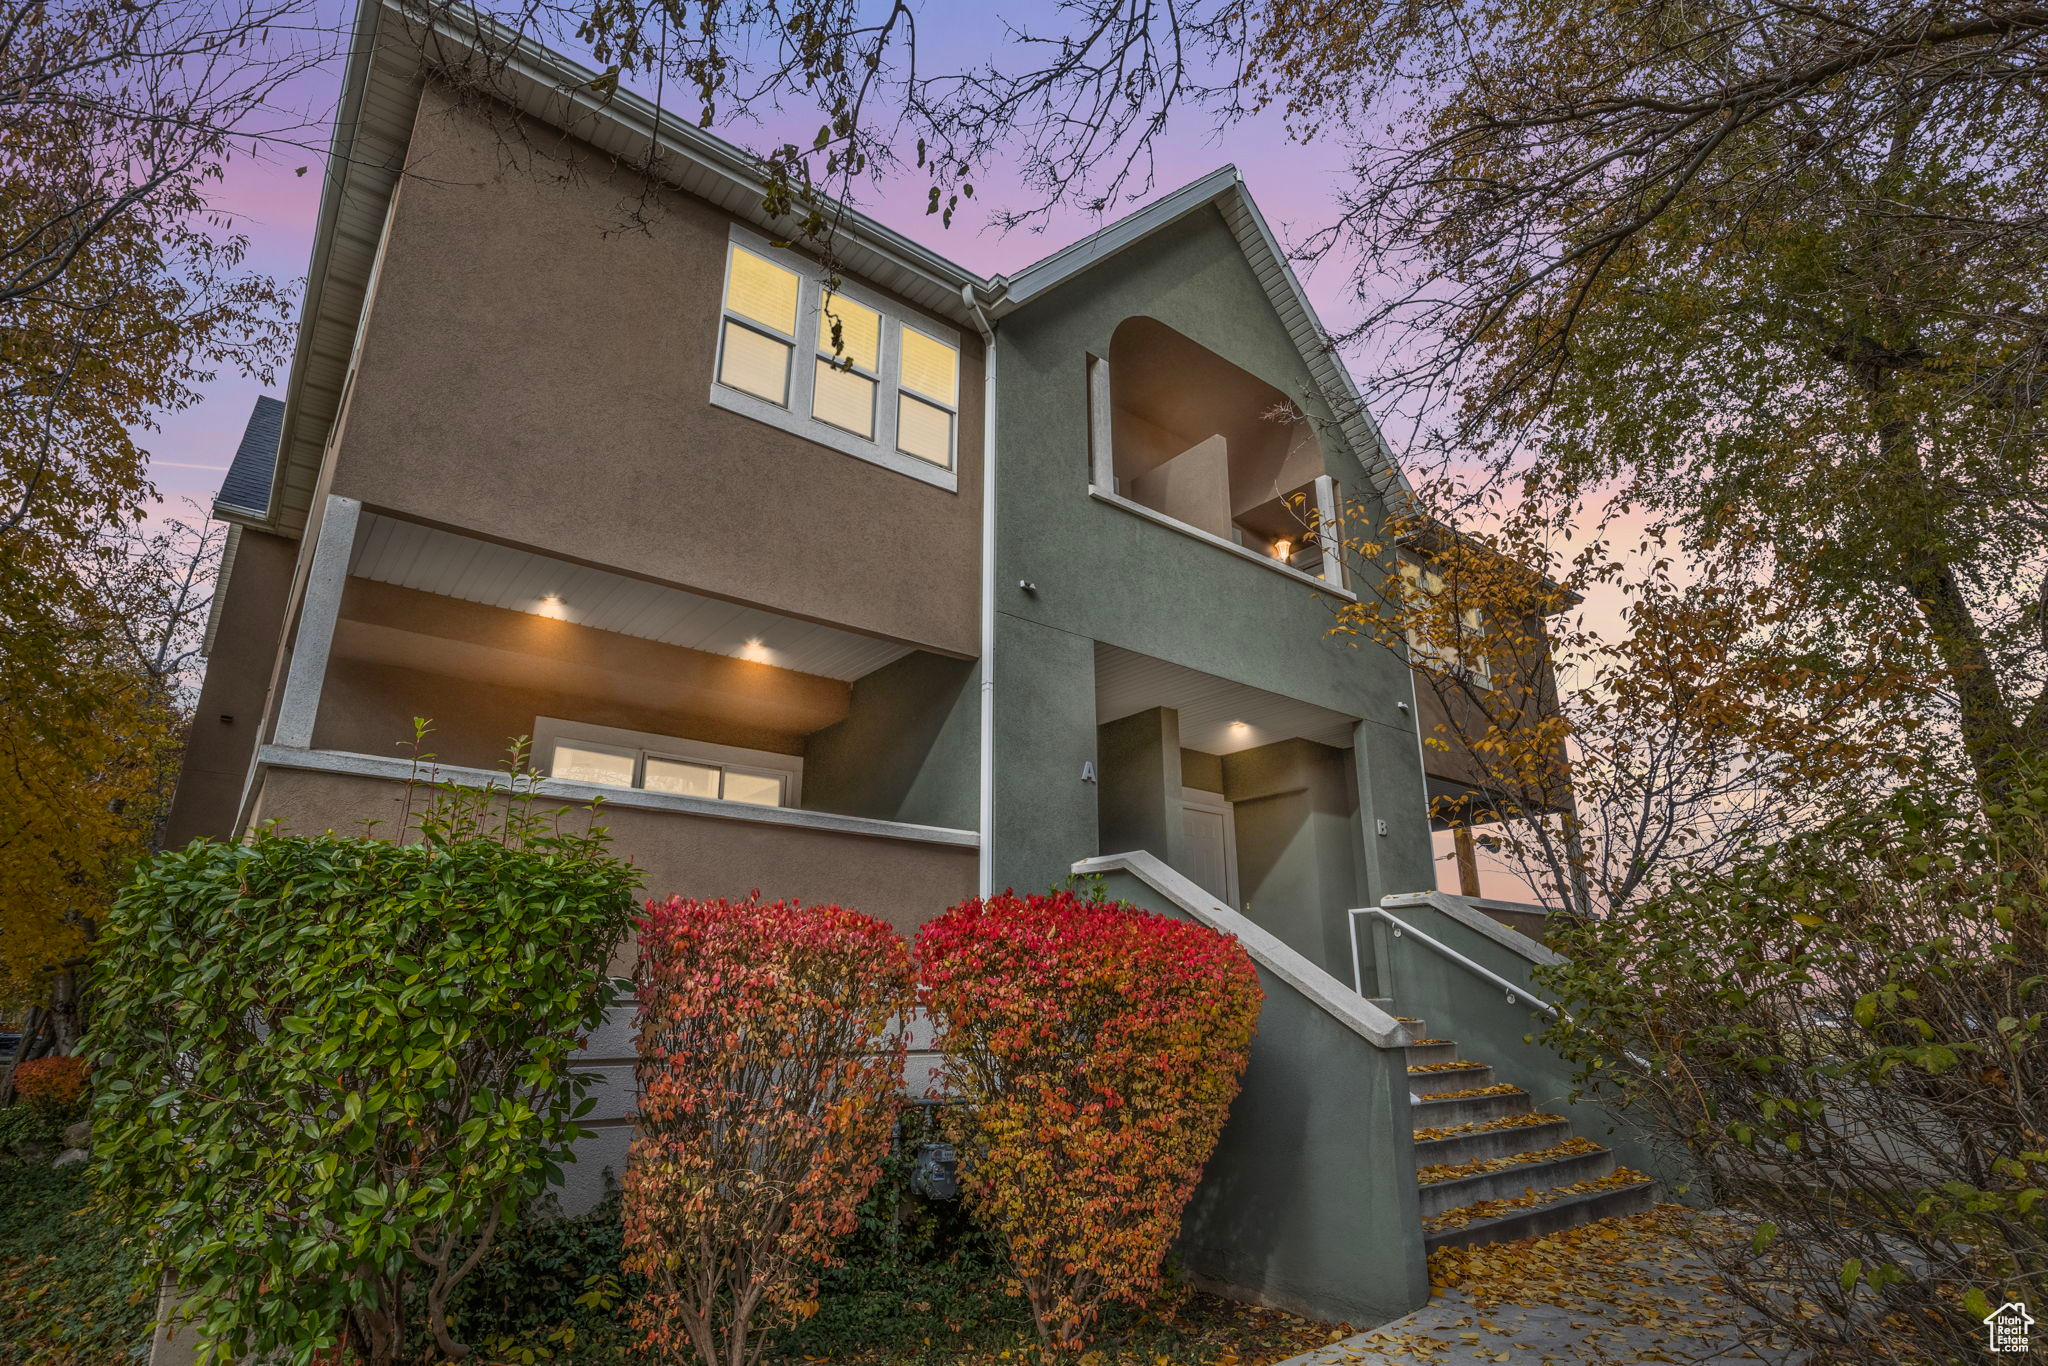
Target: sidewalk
1622	1291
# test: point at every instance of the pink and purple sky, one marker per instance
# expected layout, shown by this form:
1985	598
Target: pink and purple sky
275	207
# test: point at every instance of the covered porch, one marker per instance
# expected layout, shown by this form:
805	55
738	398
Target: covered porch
734	748
1251	795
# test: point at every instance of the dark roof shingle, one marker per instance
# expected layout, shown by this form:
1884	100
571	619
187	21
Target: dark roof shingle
247	487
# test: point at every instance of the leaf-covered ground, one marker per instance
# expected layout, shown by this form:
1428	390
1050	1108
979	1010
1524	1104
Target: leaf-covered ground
1624	1290
67	1290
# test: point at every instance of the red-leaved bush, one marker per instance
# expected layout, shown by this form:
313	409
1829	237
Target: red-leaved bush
771	1051
1097	1047
51	1083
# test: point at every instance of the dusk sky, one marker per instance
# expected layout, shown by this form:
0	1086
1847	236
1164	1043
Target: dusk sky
276	208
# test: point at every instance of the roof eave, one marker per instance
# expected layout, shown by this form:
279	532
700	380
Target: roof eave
555	90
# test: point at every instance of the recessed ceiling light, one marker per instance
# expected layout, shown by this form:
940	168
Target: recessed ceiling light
1239	725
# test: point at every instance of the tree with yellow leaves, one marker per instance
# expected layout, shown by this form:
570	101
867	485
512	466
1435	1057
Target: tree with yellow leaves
94	695
1600	764
122	290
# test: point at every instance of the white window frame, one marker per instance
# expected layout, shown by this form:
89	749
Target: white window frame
643	745
819	353
796	419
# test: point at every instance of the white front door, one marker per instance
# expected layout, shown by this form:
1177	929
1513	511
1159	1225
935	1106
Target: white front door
1212	844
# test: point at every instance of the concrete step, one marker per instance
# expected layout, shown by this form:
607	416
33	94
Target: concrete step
1482	1144
1450	1079
1435	1050
1566	1211
1386	1003
1442	1114
1439	1196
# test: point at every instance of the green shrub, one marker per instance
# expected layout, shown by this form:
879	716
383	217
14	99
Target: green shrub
32	1133
551	1282
325	1066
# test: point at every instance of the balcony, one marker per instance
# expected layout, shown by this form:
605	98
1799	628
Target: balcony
1186	438
735	748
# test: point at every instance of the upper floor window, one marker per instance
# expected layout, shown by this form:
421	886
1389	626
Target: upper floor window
1433	634
836	365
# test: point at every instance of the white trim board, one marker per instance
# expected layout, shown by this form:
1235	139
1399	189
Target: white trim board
395	769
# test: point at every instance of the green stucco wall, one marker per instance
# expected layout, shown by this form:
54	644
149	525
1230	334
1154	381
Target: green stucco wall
1102	573
1309	1201
908	750
1296	836
1138	801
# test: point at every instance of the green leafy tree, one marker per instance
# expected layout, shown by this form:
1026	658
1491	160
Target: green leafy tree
329	1069
1845	1030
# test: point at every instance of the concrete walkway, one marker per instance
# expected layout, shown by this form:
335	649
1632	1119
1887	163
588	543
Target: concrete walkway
1662	1304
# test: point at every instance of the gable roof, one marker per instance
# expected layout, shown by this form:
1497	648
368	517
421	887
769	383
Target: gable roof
396	44
245	492
1224	188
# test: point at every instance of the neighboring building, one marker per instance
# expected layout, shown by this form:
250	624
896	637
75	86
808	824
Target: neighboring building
1025	586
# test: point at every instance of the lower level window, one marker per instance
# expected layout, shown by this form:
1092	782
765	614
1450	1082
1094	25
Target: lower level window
610	757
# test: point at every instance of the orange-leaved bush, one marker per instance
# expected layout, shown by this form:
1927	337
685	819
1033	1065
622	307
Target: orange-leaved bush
1097	1047
771	1051
51	1083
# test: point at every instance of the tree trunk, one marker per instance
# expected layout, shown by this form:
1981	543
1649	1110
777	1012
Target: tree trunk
1990	737
1468	860
32	1031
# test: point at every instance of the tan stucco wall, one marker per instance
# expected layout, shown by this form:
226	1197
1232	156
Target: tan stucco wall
900	881
537	371
232	697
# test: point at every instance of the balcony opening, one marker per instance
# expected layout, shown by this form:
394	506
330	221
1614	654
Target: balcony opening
1212	447
642	687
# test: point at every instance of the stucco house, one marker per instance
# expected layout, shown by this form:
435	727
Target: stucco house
1008	587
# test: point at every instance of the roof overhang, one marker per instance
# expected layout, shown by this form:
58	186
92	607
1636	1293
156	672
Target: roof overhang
399	43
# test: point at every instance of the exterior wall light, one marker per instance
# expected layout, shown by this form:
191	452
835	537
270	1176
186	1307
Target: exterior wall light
1282	548
551	607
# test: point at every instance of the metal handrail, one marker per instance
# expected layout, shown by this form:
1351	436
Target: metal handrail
1516	994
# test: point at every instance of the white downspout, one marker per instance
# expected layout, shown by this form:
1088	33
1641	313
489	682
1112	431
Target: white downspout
987	869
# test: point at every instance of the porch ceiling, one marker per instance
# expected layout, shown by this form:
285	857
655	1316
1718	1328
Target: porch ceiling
388	550
1217	716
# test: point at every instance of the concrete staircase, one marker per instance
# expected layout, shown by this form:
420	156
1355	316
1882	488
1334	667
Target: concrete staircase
1490	1168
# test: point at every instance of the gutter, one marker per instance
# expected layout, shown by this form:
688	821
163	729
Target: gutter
986	872
364	39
